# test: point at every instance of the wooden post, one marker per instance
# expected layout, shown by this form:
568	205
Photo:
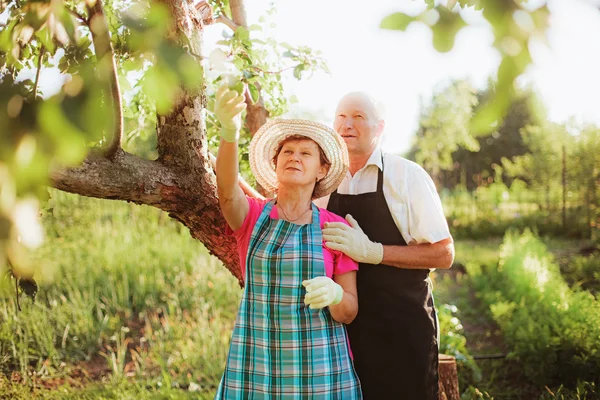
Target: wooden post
448	378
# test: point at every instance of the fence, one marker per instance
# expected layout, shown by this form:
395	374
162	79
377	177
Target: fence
489	211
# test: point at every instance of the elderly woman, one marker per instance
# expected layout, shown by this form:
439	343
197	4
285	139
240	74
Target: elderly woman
289	339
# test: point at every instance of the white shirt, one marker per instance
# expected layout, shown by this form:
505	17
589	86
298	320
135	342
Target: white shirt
409	192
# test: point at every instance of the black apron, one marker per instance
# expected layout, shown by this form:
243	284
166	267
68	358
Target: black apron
394	336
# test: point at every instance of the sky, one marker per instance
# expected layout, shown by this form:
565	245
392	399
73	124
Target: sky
403	70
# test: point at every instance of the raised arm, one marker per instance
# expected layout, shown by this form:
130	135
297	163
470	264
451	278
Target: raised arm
229	106
248	190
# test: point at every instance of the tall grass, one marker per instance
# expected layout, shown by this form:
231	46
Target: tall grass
122	286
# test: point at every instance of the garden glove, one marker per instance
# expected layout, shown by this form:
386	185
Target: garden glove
352	241
322	292
229	105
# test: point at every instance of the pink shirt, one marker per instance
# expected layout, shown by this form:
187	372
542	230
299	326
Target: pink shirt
336	263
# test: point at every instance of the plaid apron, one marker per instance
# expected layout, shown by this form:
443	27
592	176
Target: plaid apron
280	348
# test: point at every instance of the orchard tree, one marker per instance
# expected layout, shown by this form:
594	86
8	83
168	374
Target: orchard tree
77	140
444	129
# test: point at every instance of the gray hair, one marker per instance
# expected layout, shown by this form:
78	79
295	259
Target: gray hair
377	105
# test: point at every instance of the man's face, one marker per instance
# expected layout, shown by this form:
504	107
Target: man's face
357	124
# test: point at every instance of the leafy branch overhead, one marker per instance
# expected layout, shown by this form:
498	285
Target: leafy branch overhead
514	25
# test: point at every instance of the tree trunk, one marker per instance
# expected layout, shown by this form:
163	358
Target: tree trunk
181	181
448	378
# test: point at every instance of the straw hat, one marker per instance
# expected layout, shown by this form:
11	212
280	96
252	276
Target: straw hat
265	141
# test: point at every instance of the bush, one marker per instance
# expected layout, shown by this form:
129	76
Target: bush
553	330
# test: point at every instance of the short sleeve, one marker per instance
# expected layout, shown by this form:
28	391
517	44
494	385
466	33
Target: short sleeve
341	262
255	206
427	222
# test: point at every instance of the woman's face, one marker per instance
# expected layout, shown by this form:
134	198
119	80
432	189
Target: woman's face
299	163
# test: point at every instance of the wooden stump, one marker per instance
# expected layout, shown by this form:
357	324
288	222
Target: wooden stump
448	381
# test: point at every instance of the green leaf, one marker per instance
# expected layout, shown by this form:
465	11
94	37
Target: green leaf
298	71
161	85
288	54
68	139
254	93
44	37
488	117
242	34
445	29
397	21
68	22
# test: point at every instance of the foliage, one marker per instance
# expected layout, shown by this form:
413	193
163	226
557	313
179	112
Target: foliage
582	391
454	343
444	129
563	166
257	59
455	155
550	328
51	133
584	271
491	210
514	24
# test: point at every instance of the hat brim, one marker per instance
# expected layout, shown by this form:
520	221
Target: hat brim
267	138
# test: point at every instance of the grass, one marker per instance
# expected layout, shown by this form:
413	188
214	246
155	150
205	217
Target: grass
126	295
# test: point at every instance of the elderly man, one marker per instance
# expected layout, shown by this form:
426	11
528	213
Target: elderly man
398	234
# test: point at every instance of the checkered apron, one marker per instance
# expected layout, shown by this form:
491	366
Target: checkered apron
280	348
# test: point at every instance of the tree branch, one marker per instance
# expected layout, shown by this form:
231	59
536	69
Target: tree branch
272	72
226	21
256	113
80	17
188	197
39	70
238	12
107	67
124	177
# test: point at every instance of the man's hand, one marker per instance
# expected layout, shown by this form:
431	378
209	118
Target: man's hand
229	106
352	241
322	292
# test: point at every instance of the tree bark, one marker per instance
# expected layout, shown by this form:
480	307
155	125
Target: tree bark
448	378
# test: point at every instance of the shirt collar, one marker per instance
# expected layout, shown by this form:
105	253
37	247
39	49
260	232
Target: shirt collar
375	158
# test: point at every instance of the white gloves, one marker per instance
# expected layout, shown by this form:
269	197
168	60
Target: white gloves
229	105
352	241
322	292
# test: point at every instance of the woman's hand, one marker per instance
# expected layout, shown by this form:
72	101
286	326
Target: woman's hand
322	292
229	106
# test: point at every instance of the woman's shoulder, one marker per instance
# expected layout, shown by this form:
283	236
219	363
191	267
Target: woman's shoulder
327	216
256	202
